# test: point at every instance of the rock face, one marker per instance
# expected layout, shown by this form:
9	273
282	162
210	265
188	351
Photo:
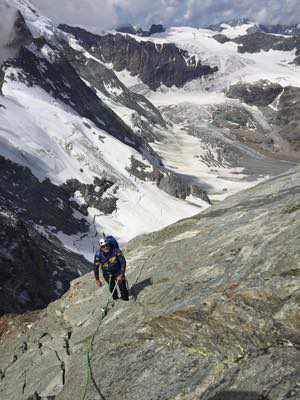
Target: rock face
94	195
215	316
155	28
279	29
261	93
232	22
34	269
221	38
257	41
171	183
278	107
287	118
41	203
123	29
155	65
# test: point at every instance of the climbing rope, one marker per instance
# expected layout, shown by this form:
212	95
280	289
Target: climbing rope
104	312
89	376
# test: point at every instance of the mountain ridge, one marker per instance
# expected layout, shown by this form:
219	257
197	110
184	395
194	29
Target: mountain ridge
228	325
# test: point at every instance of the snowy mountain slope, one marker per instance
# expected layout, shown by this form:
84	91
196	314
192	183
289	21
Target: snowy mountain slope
232	66
154	64
134	109
233	144
55	143
112	144
245	25
46	124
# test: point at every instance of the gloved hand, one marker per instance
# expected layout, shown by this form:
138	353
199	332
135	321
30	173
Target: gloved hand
99	283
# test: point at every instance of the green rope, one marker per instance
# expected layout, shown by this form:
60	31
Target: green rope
104	312
89	375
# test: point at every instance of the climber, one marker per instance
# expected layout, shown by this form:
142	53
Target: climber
110	260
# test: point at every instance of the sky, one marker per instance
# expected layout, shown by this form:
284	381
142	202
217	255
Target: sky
105	14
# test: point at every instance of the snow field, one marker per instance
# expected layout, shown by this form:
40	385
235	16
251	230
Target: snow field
46	136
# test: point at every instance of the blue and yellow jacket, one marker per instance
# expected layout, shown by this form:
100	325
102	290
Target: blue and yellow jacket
112	263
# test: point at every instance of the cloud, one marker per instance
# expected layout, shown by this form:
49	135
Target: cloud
103	14
95	14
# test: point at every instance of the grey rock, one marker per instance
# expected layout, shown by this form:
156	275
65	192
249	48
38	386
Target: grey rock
219	27
257	41
281	29
288	118
234	135
260	93
215	315
41	203
31	264
172	183
93	194
155	28
221	38
124	29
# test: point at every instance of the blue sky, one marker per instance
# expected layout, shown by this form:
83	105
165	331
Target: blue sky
104	14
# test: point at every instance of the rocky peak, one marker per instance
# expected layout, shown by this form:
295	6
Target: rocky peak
261	93
155	28
155	65
281	29
238	21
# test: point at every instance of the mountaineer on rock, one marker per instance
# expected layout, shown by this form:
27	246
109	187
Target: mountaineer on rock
110	259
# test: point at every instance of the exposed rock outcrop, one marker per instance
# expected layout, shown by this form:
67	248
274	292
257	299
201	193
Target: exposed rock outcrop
221	38
260	93
155	28
34	269
216	314
93	194
170	182
280	29
279	107
41	203
155	65
257	41
288	117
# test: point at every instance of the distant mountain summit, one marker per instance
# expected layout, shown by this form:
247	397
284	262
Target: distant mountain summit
281	29
155	28
219	27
